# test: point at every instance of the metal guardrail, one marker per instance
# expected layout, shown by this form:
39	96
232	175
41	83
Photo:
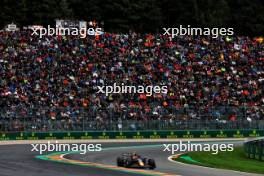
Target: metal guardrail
255	149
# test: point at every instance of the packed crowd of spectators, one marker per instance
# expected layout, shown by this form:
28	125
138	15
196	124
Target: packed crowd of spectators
56	77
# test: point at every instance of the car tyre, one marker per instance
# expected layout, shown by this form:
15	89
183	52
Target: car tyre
127	162
152	164
120	162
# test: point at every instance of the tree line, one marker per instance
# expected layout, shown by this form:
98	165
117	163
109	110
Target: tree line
245	16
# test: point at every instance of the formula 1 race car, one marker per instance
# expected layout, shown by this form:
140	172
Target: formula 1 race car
132	160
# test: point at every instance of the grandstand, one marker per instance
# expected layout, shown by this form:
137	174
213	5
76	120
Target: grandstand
54	79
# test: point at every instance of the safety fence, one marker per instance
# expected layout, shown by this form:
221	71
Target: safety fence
255	149
44	119
131	134
125	125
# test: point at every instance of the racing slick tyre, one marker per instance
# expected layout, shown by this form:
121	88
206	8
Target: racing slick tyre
152	164
120	162
127	162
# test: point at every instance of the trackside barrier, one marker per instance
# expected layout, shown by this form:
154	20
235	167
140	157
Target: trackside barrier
131	134
255	149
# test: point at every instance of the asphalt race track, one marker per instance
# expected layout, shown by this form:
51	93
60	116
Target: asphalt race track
19	160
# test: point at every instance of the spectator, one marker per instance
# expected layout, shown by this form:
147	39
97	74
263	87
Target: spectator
57	77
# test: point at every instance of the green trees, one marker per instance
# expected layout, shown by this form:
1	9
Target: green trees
245	16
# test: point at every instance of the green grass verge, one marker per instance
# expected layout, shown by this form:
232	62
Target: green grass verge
235	160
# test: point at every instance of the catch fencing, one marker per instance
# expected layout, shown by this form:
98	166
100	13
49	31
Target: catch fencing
129	119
